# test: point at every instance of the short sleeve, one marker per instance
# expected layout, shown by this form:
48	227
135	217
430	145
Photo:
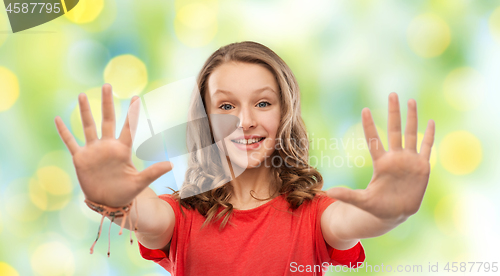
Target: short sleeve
352	257
159	256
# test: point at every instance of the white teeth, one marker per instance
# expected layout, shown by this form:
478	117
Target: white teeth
247	141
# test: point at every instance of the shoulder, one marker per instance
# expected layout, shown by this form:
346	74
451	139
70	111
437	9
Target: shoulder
322	201
173	204
178	209
168	198
325	206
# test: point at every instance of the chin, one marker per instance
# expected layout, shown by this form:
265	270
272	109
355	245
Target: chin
246	163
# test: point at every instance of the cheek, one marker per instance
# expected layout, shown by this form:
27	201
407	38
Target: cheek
271	123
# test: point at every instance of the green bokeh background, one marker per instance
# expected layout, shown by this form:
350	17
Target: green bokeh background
346	55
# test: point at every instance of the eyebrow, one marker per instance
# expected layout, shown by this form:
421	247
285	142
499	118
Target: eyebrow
258	90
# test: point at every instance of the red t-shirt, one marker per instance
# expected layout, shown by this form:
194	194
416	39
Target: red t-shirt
266	240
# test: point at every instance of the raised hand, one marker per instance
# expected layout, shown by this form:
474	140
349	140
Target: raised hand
400	176
104	166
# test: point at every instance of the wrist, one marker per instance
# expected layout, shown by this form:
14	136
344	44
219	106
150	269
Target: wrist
115	212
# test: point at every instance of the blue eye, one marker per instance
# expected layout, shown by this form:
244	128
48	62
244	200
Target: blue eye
226	105
265	104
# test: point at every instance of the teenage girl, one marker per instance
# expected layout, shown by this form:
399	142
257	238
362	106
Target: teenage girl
272	219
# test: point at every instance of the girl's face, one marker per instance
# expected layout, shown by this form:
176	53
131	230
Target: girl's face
249	92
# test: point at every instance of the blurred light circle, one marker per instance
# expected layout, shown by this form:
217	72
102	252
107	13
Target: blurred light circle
464	88
85	11
127	74
20	208
428	35
420	137
7	270
460	152
73	222
95	264
355	146
479	212
196	24
86	60
9	88
59	158
54	180
17	202
45	201
449	216
38	195
196	15
94	97
51	189
494	23
53	258
104	19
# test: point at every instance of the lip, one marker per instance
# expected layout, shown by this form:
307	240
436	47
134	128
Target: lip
248	147
247	137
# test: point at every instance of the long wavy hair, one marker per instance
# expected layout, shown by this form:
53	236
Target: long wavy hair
295	178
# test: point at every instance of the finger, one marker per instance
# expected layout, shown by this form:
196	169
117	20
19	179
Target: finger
66	136
411	126
153	172
126	136
87	119
108	112
428	141
394	124
354	197
371	135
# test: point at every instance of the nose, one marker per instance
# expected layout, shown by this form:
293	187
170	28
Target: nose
247	119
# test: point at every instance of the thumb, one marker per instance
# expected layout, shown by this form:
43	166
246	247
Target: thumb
153	172
354	197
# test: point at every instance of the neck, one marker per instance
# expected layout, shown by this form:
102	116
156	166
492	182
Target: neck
259	180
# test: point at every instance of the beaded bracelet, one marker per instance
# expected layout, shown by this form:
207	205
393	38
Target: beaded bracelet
113	213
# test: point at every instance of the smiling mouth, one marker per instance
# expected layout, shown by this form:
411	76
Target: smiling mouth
248	141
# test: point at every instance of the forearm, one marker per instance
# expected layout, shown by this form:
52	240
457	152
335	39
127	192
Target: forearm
350	223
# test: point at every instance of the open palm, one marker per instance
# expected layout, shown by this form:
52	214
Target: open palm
104	166
400	175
